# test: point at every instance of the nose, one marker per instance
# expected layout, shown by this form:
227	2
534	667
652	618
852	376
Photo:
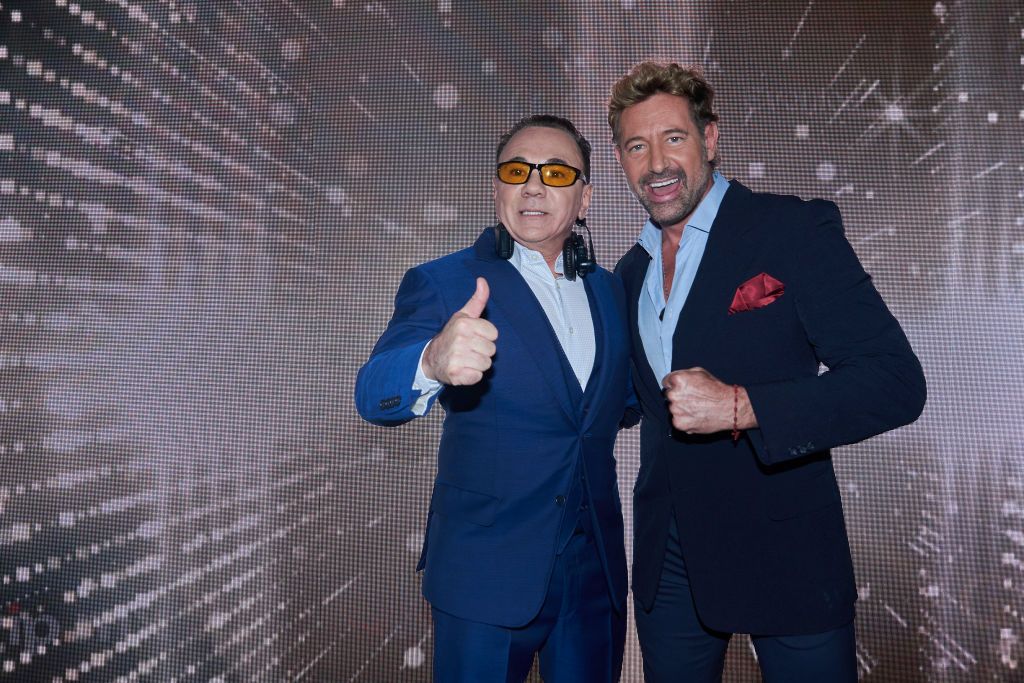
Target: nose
533	185
656	159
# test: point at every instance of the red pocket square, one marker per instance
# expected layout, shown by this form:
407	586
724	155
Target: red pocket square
757	292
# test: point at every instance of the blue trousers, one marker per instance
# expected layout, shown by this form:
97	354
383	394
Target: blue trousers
577	633
677	647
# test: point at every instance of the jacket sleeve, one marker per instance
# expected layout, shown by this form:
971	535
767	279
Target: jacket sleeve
384	386
874	382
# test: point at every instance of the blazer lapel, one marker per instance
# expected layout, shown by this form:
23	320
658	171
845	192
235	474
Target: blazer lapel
512	296
710	295
602	312
633	274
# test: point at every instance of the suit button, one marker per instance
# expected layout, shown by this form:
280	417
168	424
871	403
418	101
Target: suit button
559	500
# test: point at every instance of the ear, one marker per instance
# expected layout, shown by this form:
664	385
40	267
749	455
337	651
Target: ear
585	201
494	188
711	140
618	152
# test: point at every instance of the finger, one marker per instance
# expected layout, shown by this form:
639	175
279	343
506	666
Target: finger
483	347
474	308
466	377
477	328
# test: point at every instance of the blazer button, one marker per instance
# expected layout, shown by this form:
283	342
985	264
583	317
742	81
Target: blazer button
559	500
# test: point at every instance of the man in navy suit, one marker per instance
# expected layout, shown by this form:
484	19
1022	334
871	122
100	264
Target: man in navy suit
524	343
736	299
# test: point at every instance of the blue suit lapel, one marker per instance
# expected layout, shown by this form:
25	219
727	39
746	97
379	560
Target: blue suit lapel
512	296
601	300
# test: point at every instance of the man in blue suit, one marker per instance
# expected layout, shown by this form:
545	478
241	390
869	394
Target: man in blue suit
530	359
736	299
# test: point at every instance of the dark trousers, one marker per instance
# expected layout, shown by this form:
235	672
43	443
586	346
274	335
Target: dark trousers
579	635
677	647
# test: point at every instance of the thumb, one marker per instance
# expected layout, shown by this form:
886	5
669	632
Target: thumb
475	306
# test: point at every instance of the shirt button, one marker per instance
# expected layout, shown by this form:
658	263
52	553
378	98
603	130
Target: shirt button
559	500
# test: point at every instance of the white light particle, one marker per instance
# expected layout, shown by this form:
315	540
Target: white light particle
11	231
826	171
803	130
993	117
446	96
894	113
413	658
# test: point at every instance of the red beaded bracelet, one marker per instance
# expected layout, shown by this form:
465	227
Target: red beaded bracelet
735	413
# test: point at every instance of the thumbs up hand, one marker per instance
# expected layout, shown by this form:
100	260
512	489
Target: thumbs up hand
461	352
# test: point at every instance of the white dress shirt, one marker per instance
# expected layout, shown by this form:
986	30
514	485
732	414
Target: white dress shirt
566	306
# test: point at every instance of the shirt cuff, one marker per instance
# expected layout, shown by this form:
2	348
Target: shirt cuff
427	387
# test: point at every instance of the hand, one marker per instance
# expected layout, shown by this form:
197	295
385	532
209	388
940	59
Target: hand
701	404
461	353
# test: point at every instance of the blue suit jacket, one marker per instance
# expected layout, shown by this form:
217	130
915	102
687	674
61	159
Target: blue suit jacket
511	443
760	521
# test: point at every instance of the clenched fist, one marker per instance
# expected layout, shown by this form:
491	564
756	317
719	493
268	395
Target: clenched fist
701	404
461	353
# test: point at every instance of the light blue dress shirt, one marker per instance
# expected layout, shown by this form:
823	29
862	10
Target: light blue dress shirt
657	318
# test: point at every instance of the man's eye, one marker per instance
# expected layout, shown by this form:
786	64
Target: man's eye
555	174
636	148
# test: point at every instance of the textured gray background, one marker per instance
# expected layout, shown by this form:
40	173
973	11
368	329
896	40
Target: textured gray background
205	210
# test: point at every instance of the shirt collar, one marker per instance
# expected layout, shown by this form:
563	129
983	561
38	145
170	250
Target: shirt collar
701	219
524	257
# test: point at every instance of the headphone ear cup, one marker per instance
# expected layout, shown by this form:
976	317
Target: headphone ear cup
576	257
569	254
585	261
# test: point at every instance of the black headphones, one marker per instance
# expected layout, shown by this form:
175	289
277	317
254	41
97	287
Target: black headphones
577	254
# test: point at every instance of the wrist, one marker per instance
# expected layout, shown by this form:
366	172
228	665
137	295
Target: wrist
426	364
744	417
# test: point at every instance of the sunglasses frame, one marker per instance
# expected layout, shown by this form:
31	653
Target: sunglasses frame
540	172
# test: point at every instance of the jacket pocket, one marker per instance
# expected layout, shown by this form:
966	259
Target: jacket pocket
458	503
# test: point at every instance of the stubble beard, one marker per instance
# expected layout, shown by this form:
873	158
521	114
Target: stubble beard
675	212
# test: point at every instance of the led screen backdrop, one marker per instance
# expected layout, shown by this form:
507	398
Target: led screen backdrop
206	207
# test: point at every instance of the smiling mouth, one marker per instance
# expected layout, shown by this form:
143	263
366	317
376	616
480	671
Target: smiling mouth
663	183
533	213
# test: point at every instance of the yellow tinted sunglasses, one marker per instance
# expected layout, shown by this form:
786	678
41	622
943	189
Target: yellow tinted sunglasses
552	175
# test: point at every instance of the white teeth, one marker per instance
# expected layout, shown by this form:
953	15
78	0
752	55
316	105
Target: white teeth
663	183
532	213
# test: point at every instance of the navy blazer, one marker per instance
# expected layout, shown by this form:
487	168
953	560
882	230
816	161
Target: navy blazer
761	521
510	444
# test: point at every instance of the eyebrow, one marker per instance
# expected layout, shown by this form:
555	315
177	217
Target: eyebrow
668	131
552	160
